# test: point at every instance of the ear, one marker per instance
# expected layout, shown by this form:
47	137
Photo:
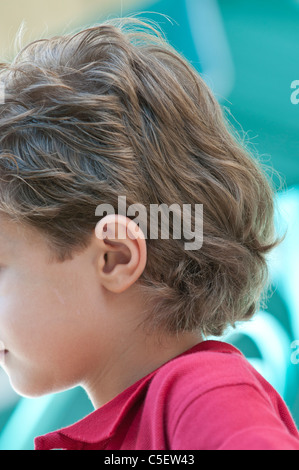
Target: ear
122	253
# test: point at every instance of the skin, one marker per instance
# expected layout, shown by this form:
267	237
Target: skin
77	322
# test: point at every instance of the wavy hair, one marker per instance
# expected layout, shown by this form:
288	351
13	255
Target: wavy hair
115	110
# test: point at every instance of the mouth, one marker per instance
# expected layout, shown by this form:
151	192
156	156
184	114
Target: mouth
3	353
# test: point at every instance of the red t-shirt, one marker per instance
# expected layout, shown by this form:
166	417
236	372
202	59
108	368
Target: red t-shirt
208	398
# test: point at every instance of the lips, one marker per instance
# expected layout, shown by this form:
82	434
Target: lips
2	355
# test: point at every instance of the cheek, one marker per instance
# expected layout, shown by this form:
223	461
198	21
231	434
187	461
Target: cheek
44	336
51	327
24	320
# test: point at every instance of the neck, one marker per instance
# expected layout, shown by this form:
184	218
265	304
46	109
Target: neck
133	361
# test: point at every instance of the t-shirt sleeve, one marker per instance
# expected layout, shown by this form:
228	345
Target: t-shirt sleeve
231	417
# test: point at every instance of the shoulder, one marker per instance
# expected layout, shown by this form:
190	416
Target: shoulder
208	366
207	377
213	394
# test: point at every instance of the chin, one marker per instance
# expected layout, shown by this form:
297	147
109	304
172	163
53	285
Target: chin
31	387
28	390
36	387
31	381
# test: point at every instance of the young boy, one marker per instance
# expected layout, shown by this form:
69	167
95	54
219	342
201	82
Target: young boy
89	296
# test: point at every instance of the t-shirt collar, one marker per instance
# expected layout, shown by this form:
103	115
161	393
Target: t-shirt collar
100	425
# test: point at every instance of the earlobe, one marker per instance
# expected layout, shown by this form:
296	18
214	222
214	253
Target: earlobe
122	251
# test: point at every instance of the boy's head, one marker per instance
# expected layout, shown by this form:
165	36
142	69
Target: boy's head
111	111
61	323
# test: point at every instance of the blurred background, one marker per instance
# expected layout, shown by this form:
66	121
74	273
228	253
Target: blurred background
246	50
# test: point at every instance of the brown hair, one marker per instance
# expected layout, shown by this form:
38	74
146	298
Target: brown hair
114	110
